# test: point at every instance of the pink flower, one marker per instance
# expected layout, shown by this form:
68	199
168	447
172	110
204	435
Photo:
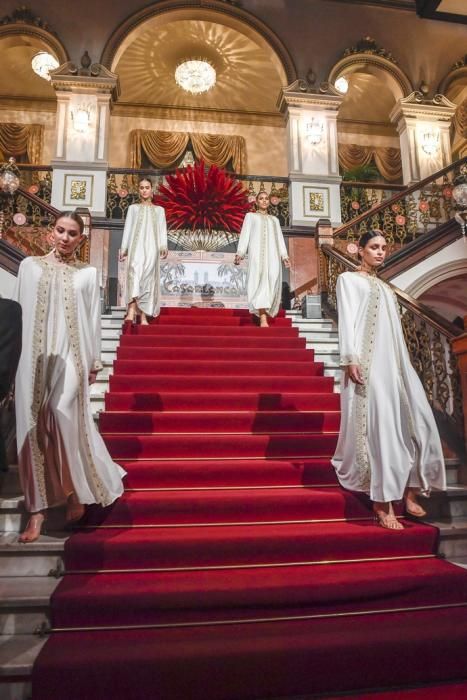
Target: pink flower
400	220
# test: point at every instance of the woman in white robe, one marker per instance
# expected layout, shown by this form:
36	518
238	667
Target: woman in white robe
144	243
62	458
388	446
262	238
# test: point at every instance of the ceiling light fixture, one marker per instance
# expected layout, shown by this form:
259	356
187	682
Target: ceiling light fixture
42	63
342	85
195	76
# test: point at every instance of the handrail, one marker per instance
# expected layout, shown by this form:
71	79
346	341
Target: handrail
373	185
392	200
40	202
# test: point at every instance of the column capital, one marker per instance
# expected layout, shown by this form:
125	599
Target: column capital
95	80
299	97
416	106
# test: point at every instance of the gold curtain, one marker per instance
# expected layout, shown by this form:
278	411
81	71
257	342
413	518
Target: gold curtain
22	138
164	148
387	160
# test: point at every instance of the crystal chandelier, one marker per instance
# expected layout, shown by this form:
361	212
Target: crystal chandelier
195	76
342	85
42	63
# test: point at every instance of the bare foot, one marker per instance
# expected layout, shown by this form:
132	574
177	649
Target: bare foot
385	516
263	321
74	510
33	528
412	506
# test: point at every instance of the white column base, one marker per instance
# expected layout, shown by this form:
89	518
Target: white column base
314	198
80	185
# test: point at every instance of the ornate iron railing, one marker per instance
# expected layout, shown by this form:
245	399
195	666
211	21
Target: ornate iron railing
428	337
408	214
122	190
26	221
37	180
359	197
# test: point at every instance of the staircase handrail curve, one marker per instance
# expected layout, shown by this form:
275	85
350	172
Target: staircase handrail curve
450	330
33	166
361	184
39	202
338	232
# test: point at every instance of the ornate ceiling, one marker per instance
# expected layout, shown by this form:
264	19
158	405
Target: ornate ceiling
17	78
248	80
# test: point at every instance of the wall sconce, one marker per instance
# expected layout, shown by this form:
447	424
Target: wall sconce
81	118
314	131
430	141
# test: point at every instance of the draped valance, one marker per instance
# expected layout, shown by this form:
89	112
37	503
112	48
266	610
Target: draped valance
17	139
386	159
164	148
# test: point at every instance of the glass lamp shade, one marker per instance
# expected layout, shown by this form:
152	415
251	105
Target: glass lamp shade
9	177
342	85
42	63
459	194
195	76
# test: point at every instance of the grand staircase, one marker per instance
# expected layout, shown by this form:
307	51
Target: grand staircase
231	516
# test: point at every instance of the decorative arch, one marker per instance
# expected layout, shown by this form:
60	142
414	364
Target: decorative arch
42	36
445	271
457	74
367	57
212	10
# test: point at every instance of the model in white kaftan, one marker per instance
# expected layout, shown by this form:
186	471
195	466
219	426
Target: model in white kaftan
262	238
388	437
144	239
60	451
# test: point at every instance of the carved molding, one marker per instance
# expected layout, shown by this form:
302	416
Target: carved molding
23	22
367	45
352	61
417	106
223	7
301	93
91	76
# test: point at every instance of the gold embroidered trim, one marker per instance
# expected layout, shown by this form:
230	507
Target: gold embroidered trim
38	366
100	493
361	395
134	239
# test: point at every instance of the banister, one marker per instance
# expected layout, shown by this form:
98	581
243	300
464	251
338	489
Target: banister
392	200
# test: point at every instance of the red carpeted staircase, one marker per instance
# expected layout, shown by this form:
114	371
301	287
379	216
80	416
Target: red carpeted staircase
234	567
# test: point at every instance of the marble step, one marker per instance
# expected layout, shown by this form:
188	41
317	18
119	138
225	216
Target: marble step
25	603
17	655
38	558
453	538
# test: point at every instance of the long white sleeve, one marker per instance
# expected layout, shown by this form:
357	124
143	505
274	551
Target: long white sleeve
162	228
128	229
346	310
244	239
280	240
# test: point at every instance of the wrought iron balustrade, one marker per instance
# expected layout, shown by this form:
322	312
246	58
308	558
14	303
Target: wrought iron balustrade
407	214
122	190
428	337
37	180
359	197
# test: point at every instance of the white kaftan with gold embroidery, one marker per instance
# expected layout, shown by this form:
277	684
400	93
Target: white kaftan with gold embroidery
388	437
59	448
144	238
262	237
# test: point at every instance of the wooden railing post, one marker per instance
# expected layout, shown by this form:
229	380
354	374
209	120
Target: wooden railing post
323	235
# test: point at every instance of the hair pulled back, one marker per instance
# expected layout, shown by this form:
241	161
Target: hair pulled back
374	233
73	216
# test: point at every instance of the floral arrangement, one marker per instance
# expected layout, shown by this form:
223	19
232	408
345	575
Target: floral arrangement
203	199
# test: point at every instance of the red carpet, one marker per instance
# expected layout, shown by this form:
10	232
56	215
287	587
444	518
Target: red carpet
234	567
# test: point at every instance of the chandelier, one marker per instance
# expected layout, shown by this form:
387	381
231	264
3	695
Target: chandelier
42	63
195	76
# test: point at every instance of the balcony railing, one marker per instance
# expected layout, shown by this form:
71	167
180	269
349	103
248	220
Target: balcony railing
408	214
359	197
37	180
428	337
122	190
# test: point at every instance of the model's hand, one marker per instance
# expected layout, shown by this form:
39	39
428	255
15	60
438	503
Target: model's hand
354	373
92	376
286	262
237	260
122	255
164	253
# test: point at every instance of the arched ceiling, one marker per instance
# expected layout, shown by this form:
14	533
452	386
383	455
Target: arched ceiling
17	79
368	99
248	75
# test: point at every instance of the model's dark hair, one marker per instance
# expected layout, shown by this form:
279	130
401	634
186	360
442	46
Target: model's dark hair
374	233
71	215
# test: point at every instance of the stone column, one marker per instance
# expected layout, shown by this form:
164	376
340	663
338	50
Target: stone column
311	117
423	125
84	98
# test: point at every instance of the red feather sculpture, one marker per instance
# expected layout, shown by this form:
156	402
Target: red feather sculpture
196	199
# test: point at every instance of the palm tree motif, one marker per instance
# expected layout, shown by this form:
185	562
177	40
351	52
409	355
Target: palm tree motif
236	276
171	272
